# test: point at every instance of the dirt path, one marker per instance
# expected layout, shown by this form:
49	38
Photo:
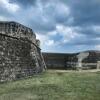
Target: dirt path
94	70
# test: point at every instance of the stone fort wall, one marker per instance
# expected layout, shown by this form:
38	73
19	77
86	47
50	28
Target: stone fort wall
20	54
71	60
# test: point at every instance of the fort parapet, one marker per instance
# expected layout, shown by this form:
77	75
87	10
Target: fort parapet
20	53
16	30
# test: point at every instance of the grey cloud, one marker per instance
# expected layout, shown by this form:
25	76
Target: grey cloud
87	42
44	15
24	3
41	27
85	12
4	12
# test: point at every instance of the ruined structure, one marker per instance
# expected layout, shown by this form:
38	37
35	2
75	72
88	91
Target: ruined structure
20	54
82	60
59	60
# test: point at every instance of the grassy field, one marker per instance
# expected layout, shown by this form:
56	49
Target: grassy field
54	85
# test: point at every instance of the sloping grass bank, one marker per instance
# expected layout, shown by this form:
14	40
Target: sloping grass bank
53	85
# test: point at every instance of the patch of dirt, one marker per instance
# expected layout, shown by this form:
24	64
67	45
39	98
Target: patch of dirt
61	71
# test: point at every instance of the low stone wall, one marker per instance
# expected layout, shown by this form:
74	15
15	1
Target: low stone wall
70	61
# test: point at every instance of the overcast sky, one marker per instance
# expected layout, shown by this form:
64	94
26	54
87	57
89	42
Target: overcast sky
61	25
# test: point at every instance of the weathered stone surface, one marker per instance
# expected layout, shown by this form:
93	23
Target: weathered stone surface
20	54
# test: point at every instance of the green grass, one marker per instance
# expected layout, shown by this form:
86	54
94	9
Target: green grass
53	85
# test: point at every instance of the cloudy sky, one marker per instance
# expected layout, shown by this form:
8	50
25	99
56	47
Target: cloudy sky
61	25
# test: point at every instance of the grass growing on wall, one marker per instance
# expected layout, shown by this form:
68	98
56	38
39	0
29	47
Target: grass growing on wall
53	85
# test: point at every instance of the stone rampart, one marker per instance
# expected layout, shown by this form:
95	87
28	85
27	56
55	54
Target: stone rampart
20	54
